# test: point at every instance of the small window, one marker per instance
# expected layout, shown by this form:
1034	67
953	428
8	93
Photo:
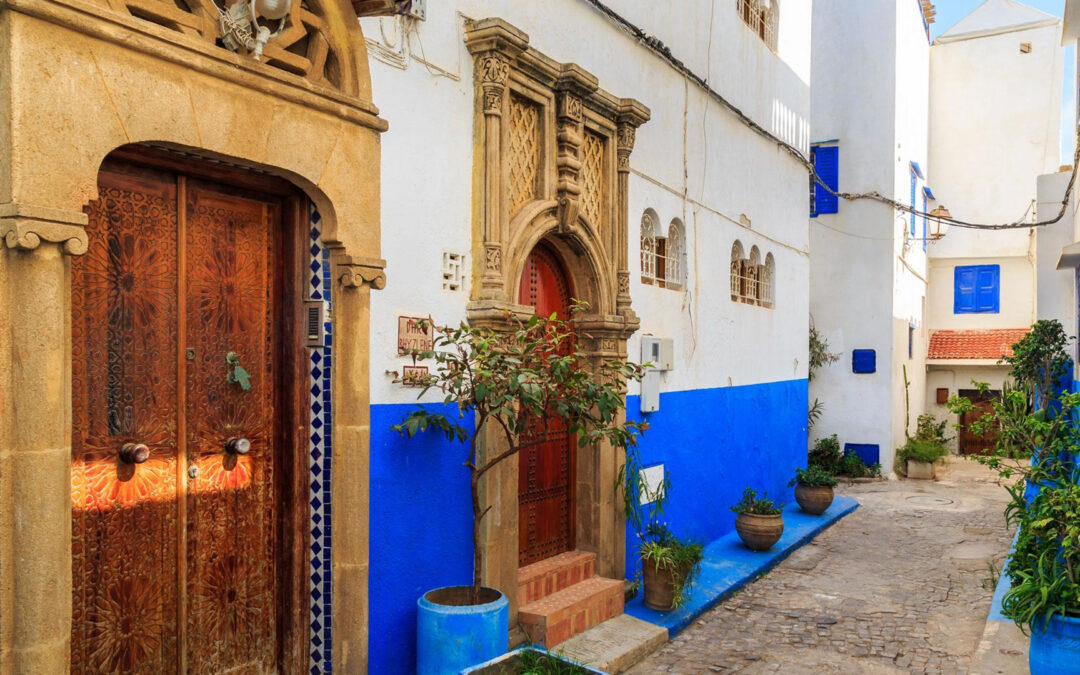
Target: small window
736	270
673	257
826	162
751	279
765	281
914	189
649	226
762	17
910	341
976	289
452	266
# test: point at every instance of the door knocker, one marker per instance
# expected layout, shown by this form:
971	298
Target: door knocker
237	374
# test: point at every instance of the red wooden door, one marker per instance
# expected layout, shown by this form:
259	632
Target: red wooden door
546	459
175	559
969	442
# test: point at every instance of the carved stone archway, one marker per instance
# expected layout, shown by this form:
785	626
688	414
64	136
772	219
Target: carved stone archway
552	163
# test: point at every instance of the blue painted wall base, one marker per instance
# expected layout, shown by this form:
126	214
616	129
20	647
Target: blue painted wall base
728	565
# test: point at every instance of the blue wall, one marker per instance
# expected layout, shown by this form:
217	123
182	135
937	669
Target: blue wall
714	443
421	531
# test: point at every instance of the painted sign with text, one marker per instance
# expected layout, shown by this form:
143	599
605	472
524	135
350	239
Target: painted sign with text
414	334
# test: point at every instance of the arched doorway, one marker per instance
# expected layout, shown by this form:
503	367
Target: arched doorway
188	426
547	459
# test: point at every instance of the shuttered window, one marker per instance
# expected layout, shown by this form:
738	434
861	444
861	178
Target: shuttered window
826	160
977	289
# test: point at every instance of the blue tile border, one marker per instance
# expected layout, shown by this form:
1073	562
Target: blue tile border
320	450
1003	585
728	565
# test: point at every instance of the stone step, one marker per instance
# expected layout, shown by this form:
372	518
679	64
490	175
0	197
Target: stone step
541	579
615	645
566	613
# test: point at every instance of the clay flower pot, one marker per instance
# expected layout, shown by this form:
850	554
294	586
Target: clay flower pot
814	499
659	583
759	533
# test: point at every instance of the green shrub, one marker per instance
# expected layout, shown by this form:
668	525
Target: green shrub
826	454
852	466
916	450
753	505
813	476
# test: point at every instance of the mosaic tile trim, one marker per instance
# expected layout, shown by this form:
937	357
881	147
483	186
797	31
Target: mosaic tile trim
320	445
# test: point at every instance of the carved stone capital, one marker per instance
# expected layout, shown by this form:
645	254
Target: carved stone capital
492	71
25	227
497	315
492	259
360	272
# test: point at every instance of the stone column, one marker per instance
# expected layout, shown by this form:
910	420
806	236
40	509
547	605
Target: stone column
492	72
35	436
354	279
632	114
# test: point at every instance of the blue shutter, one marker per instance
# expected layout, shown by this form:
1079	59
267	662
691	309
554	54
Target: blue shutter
827	165
987	288
964	290
863	361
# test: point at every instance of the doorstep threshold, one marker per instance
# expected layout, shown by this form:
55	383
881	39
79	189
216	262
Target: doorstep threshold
728	565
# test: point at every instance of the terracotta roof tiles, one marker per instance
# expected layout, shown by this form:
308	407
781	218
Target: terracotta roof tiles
974	344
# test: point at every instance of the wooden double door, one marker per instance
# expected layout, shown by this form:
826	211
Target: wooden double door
969	442
546	461
186	552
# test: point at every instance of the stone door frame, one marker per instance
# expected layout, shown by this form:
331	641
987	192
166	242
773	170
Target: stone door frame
552	160
76	85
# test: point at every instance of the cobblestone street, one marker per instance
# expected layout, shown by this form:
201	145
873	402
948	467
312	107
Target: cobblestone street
902	585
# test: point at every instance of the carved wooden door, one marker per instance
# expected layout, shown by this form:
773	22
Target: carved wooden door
969	442
546	459
174	498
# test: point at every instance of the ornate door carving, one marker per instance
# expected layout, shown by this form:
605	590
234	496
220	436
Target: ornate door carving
175	558
546	459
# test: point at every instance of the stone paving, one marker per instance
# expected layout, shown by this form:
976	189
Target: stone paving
902	585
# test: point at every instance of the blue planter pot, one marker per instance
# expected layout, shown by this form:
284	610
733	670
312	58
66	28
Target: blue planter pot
451	636
1055	647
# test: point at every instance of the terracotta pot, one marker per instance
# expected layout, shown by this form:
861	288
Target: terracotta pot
759	533
814	499
659	583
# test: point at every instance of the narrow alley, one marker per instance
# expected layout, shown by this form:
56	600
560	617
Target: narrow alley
902	585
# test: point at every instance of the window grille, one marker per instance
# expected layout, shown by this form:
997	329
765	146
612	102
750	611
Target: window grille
736	270
762	18
752	283
670	258
452	264
648	247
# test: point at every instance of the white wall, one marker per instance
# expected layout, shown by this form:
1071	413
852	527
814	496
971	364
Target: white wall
1056	288
1016	301
954	378
692	160
995	124
870	84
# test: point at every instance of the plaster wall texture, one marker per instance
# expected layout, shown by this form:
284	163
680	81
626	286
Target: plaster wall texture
995	120
1057	297
692	162
867	279
1016	299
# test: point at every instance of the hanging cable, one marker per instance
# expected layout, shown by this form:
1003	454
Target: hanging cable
655	45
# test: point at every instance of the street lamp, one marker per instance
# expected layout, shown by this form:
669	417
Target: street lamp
936	215
240	26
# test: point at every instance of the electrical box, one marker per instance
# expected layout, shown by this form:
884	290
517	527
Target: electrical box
650	391
660	352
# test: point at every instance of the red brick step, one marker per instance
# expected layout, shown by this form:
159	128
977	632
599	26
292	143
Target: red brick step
541	579
557	617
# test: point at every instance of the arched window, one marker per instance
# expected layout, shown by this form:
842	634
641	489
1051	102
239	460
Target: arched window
674	272
763	17
736	270
649	226
766	281
750	276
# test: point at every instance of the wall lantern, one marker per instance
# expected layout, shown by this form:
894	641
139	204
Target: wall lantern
936	227
241	26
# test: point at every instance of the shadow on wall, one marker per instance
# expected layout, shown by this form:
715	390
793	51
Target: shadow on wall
714	443
421	531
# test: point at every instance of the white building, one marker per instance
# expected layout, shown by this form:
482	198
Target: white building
995	124
868	260
486	136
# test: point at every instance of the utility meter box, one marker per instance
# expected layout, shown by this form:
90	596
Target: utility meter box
660	352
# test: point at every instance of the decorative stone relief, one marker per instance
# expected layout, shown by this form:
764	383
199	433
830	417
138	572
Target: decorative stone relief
493	258
524	152
592	179
356	273
26	227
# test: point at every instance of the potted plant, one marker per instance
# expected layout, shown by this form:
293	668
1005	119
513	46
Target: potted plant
919	457
759	522
1038	419
813	489
531	660
669	564
502	382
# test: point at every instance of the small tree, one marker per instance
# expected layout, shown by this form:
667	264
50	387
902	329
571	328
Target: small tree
1040	360
508	381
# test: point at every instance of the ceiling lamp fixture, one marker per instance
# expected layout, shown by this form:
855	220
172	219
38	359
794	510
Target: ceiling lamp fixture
241	27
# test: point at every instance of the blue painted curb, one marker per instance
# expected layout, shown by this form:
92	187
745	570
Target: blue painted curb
728	565
1003	585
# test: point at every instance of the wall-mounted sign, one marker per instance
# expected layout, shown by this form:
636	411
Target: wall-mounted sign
413	376
412	335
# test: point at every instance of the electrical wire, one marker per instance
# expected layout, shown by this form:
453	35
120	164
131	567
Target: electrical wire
655	45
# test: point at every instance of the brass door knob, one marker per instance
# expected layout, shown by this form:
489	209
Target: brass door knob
238	446
134	453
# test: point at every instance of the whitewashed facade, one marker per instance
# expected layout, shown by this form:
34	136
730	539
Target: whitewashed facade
868	263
